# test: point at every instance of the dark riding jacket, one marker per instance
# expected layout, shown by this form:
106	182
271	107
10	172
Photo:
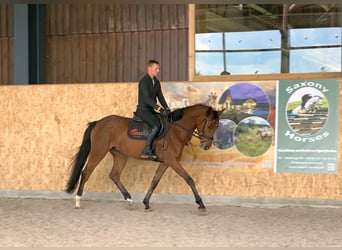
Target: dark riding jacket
148	94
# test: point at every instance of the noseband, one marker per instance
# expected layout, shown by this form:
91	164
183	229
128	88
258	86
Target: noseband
202	136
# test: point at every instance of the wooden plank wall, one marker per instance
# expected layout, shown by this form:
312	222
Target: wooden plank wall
112	42
6	44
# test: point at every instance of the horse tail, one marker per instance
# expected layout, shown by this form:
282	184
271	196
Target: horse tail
80	159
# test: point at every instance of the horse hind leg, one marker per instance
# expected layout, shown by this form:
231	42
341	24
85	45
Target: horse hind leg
94	159
119	164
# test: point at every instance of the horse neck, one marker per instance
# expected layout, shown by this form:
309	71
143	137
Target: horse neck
191	117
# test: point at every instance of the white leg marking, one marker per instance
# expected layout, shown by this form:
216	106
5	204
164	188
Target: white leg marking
130	201
78	201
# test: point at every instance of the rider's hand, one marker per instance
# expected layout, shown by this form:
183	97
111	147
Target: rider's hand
165	112
158	108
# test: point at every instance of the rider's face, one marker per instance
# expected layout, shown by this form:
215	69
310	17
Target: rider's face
153	70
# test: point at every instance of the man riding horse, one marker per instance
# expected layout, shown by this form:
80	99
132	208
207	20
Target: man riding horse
147	108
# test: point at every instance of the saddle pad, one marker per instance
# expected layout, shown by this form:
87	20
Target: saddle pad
138	130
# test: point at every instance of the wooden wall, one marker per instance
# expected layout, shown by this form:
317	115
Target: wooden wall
43	125
112	42
6	44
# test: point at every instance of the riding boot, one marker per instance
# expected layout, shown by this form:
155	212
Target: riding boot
148	152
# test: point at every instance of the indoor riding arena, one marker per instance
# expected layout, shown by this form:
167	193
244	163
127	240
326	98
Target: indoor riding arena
271	73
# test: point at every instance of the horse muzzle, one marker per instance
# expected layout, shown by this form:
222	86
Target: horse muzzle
205	145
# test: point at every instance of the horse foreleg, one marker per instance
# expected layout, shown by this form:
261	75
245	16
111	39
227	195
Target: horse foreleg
119	164
178	168
192	150
159	173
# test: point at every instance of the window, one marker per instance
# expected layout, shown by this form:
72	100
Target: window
315	50
267	38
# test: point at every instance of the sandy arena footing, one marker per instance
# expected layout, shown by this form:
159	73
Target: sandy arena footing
103	223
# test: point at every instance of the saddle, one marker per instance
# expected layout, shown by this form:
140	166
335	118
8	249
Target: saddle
138	129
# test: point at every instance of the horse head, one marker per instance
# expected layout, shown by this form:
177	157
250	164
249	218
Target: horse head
206	125
317	99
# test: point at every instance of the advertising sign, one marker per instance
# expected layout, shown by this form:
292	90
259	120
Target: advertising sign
307	126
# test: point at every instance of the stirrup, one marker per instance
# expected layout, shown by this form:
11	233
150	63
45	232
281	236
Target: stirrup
149	156
153	157
145	156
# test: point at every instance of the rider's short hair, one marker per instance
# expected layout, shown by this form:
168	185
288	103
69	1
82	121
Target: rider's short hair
151	62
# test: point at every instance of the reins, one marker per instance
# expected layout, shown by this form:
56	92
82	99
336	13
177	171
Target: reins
202	135
195	133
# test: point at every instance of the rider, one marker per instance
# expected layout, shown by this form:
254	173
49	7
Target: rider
265	130
147	108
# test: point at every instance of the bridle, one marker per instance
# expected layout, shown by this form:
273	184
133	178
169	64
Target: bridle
201	135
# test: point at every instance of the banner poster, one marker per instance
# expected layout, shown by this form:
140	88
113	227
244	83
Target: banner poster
307	130
245	136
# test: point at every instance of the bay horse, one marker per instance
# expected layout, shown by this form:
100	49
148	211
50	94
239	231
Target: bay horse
109	134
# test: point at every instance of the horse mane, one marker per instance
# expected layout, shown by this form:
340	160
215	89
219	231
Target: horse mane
177	114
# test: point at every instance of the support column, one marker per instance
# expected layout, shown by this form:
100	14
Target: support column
36	14
21	51
285	49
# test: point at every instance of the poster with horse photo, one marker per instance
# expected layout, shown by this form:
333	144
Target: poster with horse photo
307	131
245	136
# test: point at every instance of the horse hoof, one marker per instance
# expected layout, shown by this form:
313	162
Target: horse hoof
202	211
130	201
148	209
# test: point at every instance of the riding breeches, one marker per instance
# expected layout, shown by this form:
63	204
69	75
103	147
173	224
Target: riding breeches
150	118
